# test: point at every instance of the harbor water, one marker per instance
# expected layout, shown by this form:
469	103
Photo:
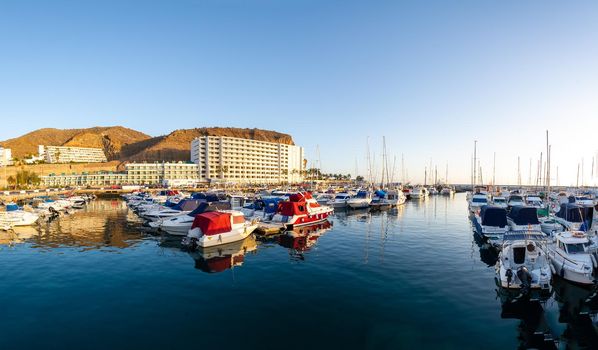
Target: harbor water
410	278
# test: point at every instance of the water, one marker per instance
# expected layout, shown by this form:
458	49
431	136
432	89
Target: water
412	278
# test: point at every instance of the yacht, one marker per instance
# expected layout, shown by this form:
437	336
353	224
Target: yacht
361	200
515	200
419	192
534	201
217	228
499	201
433	191
571	258
447	191
301	209
324	198
395	198
181	224
523	218
491	223
523	263
340	200
477	201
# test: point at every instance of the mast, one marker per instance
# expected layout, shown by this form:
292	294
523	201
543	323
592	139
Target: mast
529	180
518	171
435	175
446	174
425	175
577	183
475	145
402	168
547	164
494	170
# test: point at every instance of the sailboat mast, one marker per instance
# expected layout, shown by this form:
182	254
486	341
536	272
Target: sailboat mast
475	145
494	170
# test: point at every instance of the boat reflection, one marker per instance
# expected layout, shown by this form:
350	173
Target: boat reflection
223	257
578	309
302	239
534	331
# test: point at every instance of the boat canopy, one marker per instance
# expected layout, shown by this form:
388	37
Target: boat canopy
493	216
289	208
571	212
213	223
362	194
12	207
522	215
187	204
380	193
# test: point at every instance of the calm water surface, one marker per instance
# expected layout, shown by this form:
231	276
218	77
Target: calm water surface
413	278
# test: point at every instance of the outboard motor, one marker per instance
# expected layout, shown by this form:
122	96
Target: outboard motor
526	280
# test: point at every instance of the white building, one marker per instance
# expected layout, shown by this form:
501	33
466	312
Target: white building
65	154
231	159
5	156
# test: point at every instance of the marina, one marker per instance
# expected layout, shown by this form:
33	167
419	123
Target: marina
377	279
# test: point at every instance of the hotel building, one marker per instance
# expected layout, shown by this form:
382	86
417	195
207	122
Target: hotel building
65	154
5	156
231	159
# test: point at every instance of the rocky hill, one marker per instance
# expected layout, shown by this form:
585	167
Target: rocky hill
124	144
111	139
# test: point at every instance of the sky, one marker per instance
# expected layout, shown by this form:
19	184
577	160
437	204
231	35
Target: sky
429	76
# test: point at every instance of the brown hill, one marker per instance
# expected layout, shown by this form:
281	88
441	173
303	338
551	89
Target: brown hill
124	144
111	139
177	145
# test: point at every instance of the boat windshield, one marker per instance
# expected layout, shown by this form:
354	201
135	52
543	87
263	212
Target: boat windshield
575	248
499	200
479	200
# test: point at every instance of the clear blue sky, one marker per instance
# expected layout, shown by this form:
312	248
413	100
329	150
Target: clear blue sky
431	76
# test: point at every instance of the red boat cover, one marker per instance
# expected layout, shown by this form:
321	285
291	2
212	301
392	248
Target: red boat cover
292	208
297	197
212	223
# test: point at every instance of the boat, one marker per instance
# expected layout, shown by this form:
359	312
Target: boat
550	226
185	206
324	198
523	263
533	200
515	200
499	201
491	223
340	200
395	198
218	227
477	201
16	216
433	191
447	191
524	218
263	208
571	258
181	224
362	200
301	209
575	217
419	192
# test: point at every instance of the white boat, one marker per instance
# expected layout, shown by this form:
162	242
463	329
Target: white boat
218	227
550	226
419	192
524	218
491	223
17	218
181	224
571	258
523	263
362	200
301	209
515	200
477	201
534	201
324	198
499	201
447	191
433	191
340	200
395	198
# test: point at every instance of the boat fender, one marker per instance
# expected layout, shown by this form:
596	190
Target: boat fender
552	269
594	262
562	274
509	274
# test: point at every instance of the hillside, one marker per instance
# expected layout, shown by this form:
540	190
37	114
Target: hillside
124	144
177	144
111	139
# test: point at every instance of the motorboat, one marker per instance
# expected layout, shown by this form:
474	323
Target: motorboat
380	201
181	224
491	223
477	201
185	206
301	209
419	192
534	201
395	198
433	191
324	198
571	258
362	200
550	226
499	201
522	263
263	208
340	200
447	191
575	217
218	227
515	200
19	217
524	218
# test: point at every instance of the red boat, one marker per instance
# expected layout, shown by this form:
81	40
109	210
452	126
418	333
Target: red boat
301	209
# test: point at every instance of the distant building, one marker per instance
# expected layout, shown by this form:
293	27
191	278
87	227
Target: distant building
5	156
231	159
65	154
167	174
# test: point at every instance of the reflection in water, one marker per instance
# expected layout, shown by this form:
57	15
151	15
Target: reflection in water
102	223
302	239
534	332
223	257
